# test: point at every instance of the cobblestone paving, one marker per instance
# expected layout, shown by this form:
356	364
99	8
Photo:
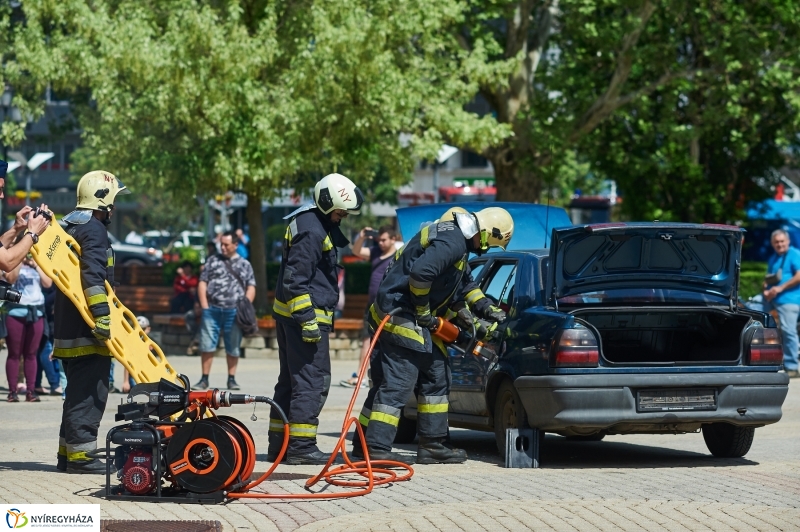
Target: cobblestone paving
648	482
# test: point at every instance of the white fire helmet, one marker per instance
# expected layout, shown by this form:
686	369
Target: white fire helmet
335	191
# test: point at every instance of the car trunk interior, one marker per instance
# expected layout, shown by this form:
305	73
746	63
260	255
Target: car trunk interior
650	336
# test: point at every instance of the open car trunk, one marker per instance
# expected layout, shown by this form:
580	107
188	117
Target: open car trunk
667	336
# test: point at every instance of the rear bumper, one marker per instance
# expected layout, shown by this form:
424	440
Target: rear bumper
581	404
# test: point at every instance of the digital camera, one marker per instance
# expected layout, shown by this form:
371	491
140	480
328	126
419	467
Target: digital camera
9	294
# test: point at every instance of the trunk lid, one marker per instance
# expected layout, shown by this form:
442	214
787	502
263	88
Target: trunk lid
701	258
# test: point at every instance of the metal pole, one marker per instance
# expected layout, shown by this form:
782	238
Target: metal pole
27	187
436	182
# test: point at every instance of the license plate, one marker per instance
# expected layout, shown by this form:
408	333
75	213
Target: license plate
669	400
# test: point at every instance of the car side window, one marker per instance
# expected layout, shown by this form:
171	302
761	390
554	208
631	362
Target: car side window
499	286
476	268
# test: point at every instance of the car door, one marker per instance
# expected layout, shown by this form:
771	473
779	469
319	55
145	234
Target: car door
470	372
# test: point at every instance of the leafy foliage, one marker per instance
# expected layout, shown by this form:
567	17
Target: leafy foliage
691	149
204	96
751	279
682	102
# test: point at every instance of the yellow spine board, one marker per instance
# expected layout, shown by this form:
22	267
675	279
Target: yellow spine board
58	255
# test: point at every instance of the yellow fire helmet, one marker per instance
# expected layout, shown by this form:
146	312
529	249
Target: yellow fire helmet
496	227
98	189
450	214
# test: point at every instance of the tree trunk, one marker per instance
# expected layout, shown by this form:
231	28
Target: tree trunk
513	182
258	252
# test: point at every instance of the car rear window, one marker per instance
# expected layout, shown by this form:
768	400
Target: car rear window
642	295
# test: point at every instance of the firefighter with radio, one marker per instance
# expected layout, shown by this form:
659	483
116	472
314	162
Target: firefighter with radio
305	298
428	277
82	349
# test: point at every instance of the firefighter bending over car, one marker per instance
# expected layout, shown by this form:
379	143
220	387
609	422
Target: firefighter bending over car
81	349
305	298
429	277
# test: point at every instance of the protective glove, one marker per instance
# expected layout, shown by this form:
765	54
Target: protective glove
465	316
495	314
428	321
102	328
311	333
485	330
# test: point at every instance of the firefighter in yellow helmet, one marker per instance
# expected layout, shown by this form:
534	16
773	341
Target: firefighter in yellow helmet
80	348
428	278
450	214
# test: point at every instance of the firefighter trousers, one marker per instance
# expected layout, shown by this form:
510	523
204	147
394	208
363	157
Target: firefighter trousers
303	384
84	403
403	369
376	379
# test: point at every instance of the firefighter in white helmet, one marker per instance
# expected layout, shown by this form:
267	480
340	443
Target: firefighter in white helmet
82	349
306	295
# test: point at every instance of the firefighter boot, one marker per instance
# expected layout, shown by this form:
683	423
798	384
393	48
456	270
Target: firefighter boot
437	451
88	467
380	454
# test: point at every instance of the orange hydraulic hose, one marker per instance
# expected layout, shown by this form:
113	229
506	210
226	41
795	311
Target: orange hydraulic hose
374	476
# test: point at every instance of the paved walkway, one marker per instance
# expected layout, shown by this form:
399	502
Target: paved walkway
622	483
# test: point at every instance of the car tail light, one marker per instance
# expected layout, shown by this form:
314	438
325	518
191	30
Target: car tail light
576	348
766	348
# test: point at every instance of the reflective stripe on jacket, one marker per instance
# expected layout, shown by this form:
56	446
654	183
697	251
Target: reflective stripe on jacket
72	336
427	275
308	287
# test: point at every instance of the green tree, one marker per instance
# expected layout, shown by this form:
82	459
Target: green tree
558	70
26	92
693	149
205	96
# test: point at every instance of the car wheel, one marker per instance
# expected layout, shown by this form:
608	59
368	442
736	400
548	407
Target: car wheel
508	414
134	262
728	441
406	429
591	437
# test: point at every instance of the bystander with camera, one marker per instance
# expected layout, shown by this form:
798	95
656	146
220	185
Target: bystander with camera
25	323
378	246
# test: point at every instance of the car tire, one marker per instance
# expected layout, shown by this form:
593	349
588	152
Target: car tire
591	437
134	262
728	441
406	429
508	414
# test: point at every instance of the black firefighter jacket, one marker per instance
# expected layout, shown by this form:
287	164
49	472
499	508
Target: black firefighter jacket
428	274
308	286
72	336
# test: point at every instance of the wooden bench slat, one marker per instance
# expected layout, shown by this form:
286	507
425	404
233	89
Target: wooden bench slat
177	320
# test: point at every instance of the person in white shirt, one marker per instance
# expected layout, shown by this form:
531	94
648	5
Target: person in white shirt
25	323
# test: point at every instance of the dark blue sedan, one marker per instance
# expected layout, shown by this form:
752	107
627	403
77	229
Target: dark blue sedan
615	329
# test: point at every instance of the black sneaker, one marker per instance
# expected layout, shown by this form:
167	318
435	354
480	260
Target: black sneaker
61	462
232	384
202	384
12	397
